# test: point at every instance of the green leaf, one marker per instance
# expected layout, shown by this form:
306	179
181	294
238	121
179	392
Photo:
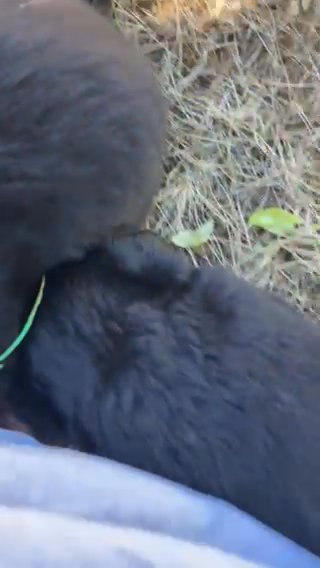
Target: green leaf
275	220
193	239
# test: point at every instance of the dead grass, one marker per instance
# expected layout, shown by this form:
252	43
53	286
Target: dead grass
244	133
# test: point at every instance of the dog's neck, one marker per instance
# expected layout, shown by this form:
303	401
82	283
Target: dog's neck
18	284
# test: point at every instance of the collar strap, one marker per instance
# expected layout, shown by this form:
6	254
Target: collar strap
26	328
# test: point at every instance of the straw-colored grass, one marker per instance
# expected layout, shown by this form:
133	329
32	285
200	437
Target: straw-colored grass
244	131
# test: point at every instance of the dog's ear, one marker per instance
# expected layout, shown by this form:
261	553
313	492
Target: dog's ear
146	257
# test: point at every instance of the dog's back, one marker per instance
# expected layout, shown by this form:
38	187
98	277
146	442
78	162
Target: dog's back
191	374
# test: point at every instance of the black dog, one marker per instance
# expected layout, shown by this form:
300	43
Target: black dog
82	128
192	374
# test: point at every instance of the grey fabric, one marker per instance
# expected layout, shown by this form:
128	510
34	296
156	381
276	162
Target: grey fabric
64	508
48	540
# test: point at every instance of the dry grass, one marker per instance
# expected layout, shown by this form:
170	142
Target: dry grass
244	134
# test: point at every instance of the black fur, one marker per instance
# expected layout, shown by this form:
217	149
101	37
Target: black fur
82	124
192	374
104	6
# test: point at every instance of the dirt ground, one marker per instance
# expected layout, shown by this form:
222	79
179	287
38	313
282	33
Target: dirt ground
244	130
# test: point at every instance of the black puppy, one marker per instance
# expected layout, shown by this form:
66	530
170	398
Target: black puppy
81	135
189	373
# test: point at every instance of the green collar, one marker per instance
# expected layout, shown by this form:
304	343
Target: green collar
26	328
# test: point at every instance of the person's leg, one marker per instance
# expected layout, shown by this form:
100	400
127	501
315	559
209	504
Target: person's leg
64	483
10	438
